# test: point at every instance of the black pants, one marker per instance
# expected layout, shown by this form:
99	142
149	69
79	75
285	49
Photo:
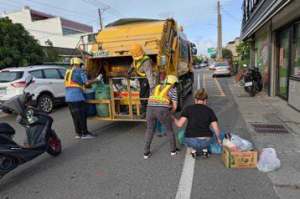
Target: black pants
144	93
79	115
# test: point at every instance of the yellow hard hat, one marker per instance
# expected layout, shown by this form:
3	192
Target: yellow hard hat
77	61
137	52
171	79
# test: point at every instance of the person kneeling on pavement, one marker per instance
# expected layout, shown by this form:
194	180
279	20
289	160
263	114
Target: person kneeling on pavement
75	82
199	117
158	110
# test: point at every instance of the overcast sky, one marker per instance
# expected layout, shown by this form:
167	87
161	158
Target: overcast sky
198	17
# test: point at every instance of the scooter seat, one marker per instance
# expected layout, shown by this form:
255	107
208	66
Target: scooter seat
6	129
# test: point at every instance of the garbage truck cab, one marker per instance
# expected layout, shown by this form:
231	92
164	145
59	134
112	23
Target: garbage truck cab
163	41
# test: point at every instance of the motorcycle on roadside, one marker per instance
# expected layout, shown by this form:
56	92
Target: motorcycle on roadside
253	81
40	136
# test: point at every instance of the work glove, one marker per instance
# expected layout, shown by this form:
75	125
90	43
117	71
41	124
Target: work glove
99	78
128	74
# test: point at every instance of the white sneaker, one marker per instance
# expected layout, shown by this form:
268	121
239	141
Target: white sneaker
174	152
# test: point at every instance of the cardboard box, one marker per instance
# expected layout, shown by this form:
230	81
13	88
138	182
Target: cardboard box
246	159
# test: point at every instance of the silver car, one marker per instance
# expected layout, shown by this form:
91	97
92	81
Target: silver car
222	68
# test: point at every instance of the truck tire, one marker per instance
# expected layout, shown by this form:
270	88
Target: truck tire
180	99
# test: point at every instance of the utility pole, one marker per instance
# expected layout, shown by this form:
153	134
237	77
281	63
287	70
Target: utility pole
100	12
220	56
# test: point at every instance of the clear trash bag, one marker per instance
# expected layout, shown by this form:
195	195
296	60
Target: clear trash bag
268	160
237	142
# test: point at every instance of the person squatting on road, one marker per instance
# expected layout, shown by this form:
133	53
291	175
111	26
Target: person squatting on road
142	65
199	117
75	82
158	110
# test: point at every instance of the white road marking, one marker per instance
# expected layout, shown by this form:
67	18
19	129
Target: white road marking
199	83
186	179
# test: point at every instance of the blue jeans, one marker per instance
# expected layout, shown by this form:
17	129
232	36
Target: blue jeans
198	144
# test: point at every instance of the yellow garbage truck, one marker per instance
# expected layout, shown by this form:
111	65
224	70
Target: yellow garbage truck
109	54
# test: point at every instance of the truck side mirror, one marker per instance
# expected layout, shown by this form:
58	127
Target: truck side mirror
194	51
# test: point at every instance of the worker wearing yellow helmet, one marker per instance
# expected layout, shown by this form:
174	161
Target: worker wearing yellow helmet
143	67
75	82
162	97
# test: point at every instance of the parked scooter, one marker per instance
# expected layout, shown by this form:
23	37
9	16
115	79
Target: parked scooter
253	81
41	138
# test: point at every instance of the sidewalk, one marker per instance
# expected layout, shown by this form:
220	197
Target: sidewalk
273	110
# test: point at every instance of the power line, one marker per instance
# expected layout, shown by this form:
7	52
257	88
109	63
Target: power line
182	11
71	11
115	10
10	5
110	9
44	21
74	14
231	16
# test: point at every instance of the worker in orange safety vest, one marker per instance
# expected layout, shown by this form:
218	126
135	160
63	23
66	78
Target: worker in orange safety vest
75	82
158	109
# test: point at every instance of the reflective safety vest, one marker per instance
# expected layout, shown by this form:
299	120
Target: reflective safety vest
160	96
69	83
139	63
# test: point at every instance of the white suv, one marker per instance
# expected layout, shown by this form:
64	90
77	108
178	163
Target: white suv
47	86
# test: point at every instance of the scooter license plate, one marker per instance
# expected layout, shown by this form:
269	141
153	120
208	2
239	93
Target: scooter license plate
248	84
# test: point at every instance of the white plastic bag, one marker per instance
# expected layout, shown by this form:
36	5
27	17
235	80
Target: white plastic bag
241	143
268	160
237	142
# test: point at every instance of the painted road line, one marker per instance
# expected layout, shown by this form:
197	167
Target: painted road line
204	81
220	88
212	86
186	180
199	83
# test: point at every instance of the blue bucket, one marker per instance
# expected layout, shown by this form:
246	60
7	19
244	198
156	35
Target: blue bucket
89	94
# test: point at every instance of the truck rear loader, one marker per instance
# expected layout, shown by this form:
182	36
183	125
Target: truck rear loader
163	41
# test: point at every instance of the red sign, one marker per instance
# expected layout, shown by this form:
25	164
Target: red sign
281	55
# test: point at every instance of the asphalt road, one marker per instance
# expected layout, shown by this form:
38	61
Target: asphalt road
112	165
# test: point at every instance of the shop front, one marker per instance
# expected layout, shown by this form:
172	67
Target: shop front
274	29
288	51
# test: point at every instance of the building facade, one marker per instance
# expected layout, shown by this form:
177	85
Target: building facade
232	46
61	32
273	28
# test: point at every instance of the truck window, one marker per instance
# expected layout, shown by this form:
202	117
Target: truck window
184	48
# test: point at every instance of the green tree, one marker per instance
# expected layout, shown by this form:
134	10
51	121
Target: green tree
52	52
227	54
243	51
213	56
197	60
17	46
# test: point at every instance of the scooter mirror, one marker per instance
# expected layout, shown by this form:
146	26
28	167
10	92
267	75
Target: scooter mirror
28	80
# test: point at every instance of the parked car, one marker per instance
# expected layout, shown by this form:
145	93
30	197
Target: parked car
222	68
196	66
202	65
47	86
211	66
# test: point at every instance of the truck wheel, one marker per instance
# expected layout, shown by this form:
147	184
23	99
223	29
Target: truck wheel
180	100
45	103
